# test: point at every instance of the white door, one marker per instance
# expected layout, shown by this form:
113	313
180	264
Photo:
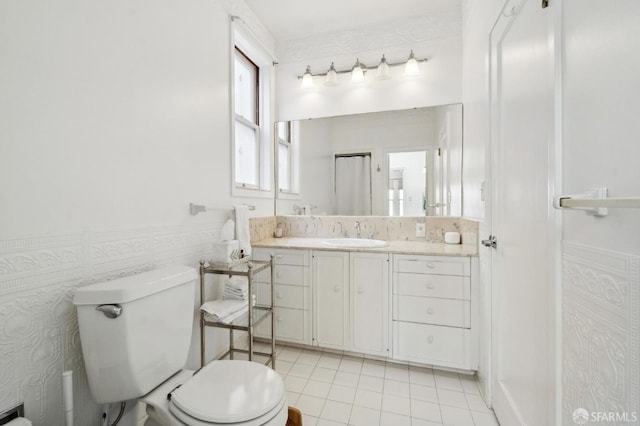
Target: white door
330	299
522	272
370	303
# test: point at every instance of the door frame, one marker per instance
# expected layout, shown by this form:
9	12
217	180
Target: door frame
554	217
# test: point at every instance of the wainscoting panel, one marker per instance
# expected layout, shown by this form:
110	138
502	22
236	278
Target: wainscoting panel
39	335
600	331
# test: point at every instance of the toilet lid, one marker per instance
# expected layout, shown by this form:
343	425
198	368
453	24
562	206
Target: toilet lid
229	392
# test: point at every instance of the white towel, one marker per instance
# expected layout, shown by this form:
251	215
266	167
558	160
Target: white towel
230	318
242	228
221	309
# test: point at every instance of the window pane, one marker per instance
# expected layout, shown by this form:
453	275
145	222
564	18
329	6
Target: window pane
246	154
283	167
246	82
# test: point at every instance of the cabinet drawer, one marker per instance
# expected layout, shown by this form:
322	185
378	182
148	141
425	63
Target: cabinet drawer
290	325
428	285
283	256
441	265
431	344
454	313
285	274
287	296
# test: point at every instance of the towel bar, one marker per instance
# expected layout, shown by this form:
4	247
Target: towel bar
194	209
595	203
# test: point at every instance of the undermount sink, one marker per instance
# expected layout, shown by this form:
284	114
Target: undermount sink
355	243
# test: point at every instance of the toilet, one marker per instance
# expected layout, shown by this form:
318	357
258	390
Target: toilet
135	334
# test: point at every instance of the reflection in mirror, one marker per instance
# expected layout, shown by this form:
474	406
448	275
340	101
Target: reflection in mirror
395	163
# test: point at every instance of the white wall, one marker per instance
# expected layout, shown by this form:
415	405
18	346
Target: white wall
113	117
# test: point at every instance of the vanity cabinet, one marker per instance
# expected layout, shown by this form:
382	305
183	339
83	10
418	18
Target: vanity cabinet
331	305
432	315
292	307
351	301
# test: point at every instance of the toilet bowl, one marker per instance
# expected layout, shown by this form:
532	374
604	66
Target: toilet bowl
135	334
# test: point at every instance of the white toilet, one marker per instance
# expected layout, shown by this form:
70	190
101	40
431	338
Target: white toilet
135	334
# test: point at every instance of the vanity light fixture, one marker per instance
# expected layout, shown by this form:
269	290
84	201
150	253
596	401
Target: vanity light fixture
359	70
307	78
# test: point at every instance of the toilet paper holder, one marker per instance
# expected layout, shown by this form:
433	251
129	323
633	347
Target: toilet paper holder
12	413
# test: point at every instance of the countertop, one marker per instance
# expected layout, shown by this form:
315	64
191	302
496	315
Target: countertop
400	247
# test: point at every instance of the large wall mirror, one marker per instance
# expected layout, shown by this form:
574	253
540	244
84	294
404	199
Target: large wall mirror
393	163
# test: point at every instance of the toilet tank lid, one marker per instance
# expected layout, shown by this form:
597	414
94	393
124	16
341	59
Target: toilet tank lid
130	288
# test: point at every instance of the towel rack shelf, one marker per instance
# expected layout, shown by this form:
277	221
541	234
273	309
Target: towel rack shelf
247	322
194	209
595	203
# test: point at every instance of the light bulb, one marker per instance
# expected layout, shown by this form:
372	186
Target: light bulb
383	69
357	73
411	67
307	78
332	76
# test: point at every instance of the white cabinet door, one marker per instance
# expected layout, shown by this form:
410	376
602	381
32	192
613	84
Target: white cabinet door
330	299
370	303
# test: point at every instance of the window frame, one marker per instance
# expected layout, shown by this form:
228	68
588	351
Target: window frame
244	43
293	133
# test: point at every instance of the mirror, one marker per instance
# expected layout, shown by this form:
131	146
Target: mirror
392	163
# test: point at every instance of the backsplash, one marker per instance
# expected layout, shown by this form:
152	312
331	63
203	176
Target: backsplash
382	228
39	336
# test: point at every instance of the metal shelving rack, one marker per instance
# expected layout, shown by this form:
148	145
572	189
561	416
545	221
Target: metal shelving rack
247	322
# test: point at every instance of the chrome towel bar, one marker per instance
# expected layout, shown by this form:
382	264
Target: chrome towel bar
595	203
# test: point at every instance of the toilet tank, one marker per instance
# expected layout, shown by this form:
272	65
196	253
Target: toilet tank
128	355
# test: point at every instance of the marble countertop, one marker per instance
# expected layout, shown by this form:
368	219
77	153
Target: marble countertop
400	247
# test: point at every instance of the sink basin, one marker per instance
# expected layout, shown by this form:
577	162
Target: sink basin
355	243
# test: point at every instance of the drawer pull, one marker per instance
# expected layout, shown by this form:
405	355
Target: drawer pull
279	318
360	290
431	265
278	295
278	256
430	311
278	274
336	288
430	286
430	339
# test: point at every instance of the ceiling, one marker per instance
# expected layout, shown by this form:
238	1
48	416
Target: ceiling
299	19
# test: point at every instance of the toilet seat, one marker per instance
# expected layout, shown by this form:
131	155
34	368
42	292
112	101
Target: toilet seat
229	392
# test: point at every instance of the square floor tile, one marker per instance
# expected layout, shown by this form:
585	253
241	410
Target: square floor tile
393	387
426	410
392	419
283	367
294	384
396	404
309	420
329	361
421	376
368	399
397	372
476	403
448	381
456	416
469	384
325	422
373	368
292	398
453	398
301	370
350	365
342	393
336	411
346	379
316	388
308	358
362	416
371	383
288	354
310	405
484	418
423	393
323	374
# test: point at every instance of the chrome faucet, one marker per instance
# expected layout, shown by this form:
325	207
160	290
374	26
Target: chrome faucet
357	226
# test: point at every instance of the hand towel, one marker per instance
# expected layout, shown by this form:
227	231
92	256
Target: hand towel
242	228
219	309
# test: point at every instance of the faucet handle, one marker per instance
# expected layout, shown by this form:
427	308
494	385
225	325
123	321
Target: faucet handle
371	235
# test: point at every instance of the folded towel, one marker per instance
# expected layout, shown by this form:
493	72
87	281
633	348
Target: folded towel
219	309
236	283
230	295
230	318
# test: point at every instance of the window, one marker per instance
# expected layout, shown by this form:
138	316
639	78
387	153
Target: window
252	155
247	123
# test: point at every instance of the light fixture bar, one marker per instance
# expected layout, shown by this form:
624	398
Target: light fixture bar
365	68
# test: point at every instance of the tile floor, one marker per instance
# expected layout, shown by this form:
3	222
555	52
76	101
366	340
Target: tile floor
333	389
